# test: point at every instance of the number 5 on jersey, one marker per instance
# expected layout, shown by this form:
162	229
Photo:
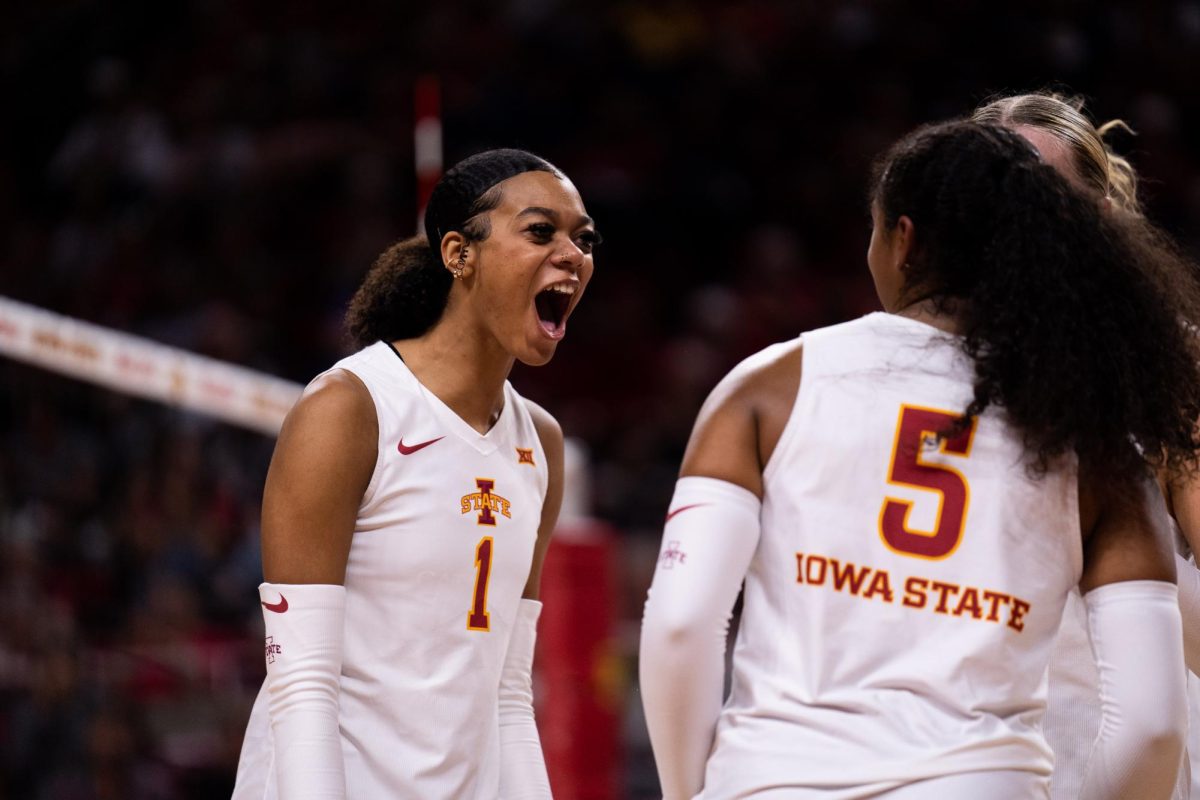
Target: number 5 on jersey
915	427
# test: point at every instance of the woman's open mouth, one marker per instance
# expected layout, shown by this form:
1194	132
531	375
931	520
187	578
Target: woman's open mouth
552	305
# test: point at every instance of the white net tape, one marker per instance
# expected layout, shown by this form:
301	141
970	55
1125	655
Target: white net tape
137	366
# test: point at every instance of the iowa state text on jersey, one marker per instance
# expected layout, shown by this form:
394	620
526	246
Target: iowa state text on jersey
920	594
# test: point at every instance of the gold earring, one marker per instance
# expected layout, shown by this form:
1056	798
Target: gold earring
462	263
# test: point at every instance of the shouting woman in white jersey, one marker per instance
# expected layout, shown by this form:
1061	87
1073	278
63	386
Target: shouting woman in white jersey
910	497
409	505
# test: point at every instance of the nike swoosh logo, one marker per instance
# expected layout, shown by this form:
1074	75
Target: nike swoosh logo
682	509
408	450
279	607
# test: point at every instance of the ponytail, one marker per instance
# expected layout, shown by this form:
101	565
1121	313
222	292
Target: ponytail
402	297
1122	178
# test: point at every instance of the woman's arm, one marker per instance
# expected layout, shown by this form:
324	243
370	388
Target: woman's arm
522	764
551	436
1183	498
319	472
1134	624
709	539
322	465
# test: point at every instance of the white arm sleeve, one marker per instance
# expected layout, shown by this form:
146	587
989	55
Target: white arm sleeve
522	765
304	627
1188	576
710	537
1138	645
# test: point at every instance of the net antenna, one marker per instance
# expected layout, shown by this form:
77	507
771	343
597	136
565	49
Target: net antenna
427	140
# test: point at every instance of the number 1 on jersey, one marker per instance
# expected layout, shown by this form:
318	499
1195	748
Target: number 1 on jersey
477	617
915	426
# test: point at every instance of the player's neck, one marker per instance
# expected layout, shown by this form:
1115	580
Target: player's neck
464	372
937	315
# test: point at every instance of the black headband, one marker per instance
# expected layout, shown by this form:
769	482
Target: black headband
455	197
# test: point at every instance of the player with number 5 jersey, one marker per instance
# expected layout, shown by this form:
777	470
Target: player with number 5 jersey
408	509
909	498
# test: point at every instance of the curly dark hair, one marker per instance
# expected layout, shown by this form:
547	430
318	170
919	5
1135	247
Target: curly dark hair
405	291
1081	323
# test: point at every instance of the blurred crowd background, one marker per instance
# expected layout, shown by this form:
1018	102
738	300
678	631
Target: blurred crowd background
218	174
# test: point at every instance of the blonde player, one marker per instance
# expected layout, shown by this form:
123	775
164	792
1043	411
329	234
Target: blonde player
910	497
409	505
1073	145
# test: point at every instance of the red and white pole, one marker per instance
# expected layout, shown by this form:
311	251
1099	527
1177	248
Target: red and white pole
427	141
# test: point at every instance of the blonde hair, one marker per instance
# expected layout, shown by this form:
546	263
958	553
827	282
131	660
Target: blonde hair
1062	116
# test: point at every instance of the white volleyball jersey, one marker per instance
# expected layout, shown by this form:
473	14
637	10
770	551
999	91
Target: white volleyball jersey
901	605
441	552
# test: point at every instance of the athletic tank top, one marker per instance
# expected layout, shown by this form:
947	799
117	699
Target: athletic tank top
441	552
900	608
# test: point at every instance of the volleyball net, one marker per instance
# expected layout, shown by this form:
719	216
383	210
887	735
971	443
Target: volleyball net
137	366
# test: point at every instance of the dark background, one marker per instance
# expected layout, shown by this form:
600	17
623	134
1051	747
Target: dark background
218	176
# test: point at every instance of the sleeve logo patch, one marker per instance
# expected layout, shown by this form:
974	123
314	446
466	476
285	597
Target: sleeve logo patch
682	509
273	650
278	608
672	555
